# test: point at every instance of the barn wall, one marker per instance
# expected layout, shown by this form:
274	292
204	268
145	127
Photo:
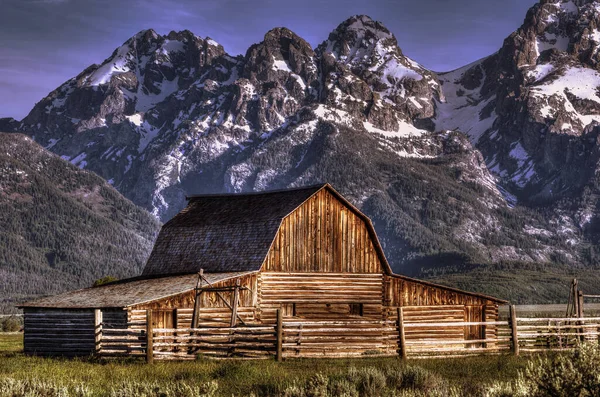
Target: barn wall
323	235
213	310
401	292
319	295
59	332
114	318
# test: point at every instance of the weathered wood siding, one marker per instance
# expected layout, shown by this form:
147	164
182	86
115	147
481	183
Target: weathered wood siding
323	235
59	332
319	295
114	318
213	312
403	292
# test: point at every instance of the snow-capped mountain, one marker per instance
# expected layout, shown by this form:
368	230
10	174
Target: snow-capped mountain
452	167
533	110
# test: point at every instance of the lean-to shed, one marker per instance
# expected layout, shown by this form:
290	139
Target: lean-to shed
306	251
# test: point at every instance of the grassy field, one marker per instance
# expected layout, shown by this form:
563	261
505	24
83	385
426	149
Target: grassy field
242	378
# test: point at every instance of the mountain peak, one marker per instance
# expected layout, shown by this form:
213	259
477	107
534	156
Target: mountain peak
282	38
146	35
363	24
355	39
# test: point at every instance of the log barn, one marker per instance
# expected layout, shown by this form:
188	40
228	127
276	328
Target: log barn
237	260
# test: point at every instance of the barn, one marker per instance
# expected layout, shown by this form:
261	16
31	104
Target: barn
240	264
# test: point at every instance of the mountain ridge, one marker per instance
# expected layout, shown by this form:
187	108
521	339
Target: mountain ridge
62	227
433	158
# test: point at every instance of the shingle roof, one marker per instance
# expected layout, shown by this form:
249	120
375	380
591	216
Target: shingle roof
128	292
223	233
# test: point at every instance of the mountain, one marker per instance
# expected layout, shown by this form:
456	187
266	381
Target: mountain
62	227
532	109
490	164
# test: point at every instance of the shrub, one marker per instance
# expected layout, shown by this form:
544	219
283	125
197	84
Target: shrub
417	379
570	374
175	389
369	381
294	390
316	386
33	387
342	388
104	280
11	324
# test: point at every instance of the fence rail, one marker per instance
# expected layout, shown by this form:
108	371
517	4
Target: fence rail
409	335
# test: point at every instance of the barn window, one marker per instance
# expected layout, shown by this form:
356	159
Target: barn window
357	309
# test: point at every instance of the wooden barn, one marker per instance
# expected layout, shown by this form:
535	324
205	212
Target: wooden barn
239	272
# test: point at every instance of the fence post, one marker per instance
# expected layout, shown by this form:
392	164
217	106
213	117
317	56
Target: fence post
234	303
580	314
401	334
97	330
574	292
484	327
175	326
513	329
279	353
149	337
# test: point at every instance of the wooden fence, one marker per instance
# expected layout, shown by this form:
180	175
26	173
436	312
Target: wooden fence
339	338
407	334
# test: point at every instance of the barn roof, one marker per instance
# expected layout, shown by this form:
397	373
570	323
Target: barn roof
223	233
133	291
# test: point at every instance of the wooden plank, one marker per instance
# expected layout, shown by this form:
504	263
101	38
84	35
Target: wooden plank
97	330
402	336
279	353
514	330
149	337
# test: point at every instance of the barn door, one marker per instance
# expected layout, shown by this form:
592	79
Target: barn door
474	313
162	318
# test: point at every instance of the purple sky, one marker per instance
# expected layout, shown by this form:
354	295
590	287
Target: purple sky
45	42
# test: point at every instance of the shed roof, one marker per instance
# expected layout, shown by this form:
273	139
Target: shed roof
133	291
223	233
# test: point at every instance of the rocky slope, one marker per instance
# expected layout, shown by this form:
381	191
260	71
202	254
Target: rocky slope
533	110
61	227
167	116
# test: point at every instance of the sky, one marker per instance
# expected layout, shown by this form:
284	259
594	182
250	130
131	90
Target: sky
43	43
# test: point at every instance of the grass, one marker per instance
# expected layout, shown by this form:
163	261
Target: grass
235	377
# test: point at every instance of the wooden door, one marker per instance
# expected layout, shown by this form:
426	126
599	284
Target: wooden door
474	313
162	318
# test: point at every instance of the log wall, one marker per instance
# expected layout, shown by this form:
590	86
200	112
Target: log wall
56	332
320	296
323	235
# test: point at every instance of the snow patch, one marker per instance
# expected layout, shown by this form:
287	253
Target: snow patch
540	72
405	130
115	65
135	119
78	161
281	65
51	143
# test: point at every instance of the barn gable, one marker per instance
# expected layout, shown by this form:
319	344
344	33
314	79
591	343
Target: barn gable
326	234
